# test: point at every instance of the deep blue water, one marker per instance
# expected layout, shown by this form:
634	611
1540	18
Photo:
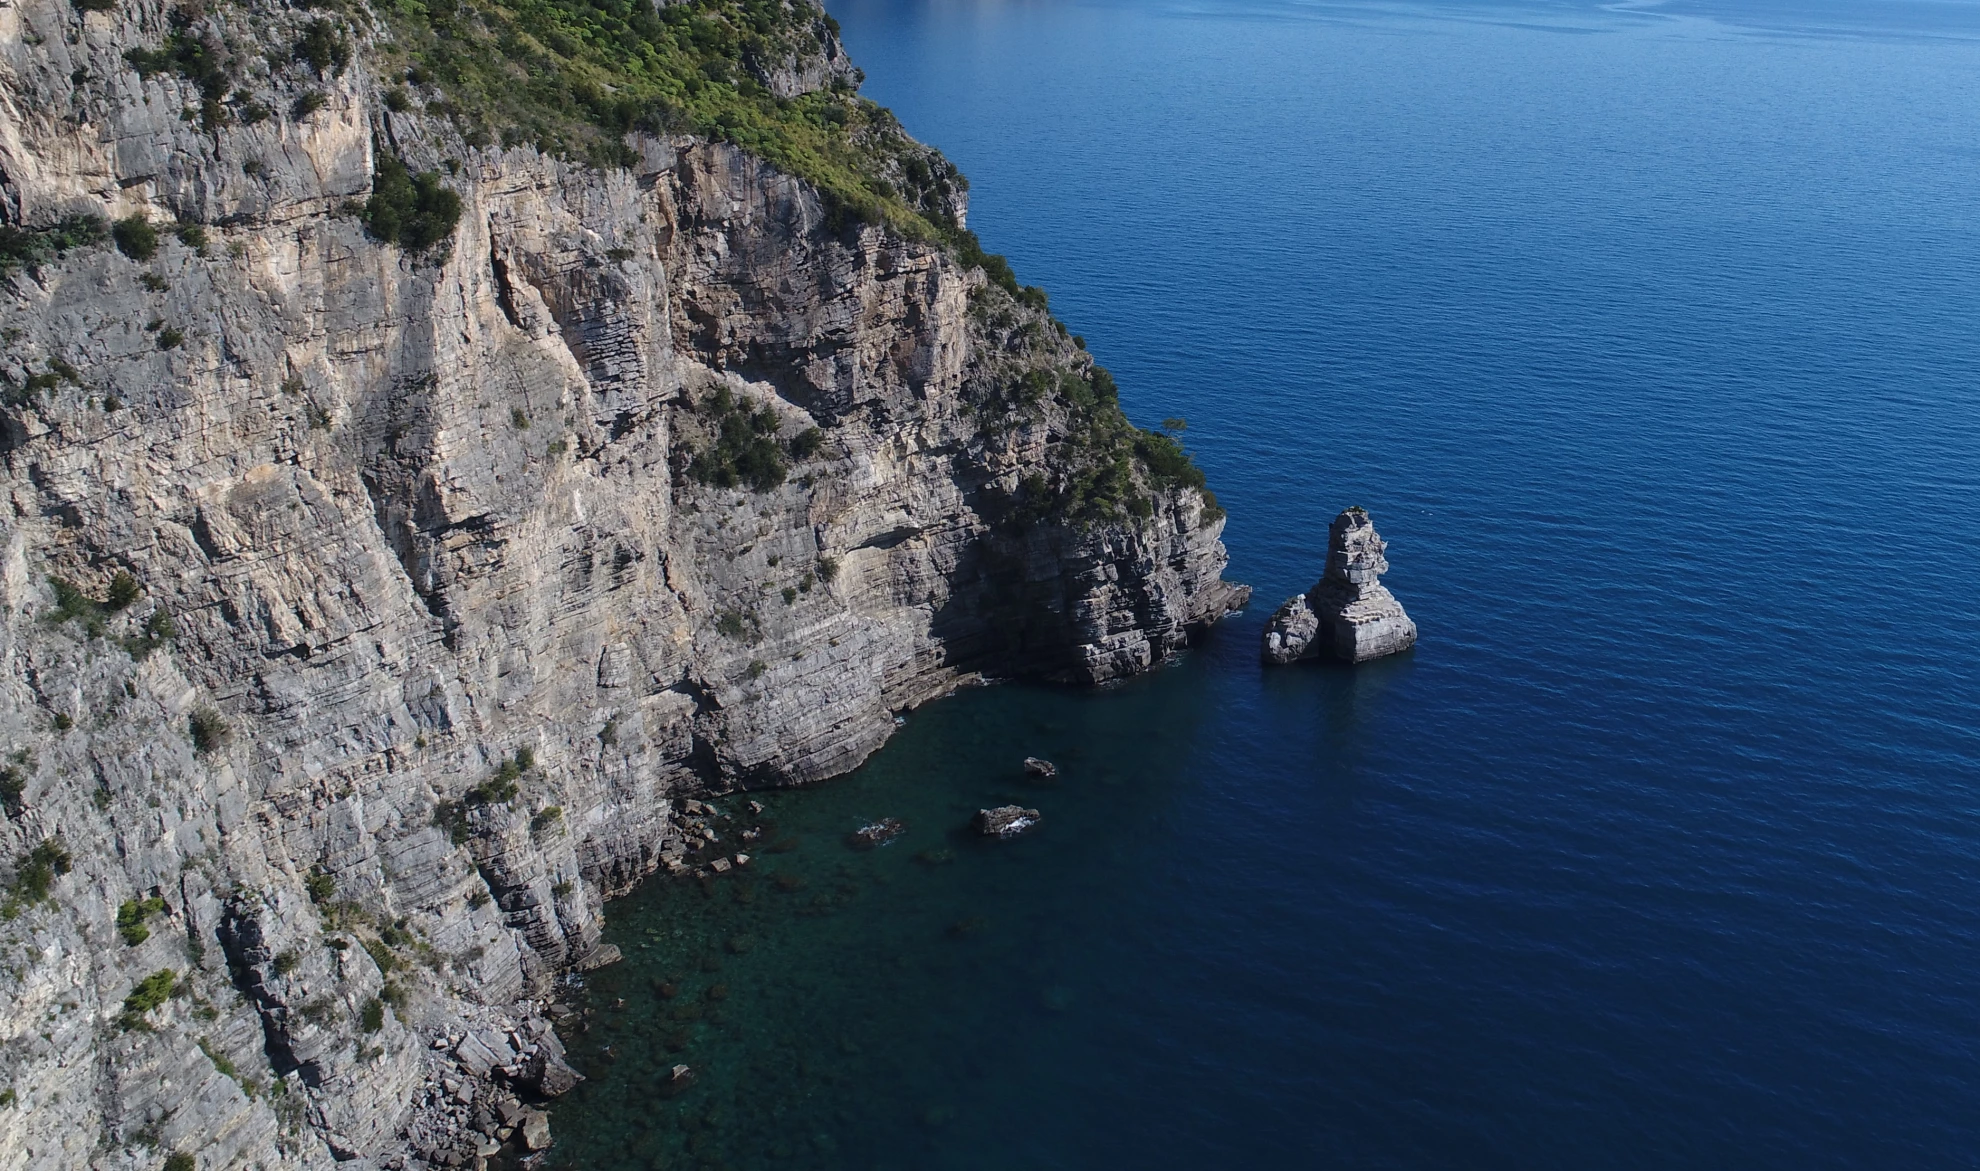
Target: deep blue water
1648	335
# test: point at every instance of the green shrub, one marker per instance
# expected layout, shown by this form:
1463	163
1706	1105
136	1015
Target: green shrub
969	250
806	443
740	626
1167	463
13	787
225	1065
150	992
452	816
286	962
546	818
413	211
171	338
28	247
36	870
72	603
58	373
131	916
199	60
179	1160
136	237
324	47
308	102
209	730
93	5
158	630
745	449
124	590
501	788
192	236
381	955
321	885
372	1017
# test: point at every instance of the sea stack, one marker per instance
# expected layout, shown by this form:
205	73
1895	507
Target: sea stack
1349	614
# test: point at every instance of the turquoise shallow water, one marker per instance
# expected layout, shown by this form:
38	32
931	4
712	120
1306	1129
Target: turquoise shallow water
1647	335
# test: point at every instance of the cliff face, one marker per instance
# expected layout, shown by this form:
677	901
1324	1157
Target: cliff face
437	616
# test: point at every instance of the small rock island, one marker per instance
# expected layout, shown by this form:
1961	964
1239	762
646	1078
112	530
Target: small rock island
1348	614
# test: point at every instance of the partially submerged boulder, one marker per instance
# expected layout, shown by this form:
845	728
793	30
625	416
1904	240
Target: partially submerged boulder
1006	821
1348	614
676	1080
548	1074
877	833
1042	769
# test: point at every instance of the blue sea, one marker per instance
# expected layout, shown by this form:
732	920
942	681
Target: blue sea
1650	336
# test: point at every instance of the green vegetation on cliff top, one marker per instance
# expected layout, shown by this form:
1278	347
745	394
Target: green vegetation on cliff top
574	76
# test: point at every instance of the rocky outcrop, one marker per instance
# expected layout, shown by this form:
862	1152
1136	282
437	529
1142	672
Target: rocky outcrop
1005	821
432	621
877	833
1349	614
790	70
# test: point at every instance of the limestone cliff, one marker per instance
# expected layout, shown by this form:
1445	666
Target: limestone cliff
369	610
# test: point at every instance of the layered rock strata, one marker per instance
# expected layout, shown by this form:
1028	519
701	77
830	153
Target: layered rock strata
1348	614
366	621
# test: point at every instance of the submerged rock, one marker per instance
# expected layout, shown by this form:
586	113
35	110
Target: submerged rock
1035	767
877	833
679	1078
1006	821
1348	614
